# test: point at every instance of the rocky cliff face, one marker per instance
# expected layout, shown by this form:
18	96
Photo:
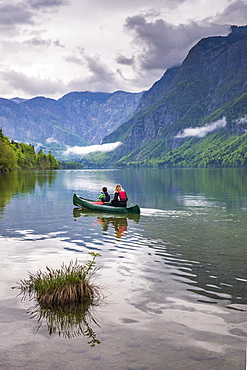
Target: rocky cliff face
78	118
210	84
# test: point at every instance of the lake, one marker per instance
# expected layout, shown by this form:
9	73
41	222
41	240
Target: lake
174	279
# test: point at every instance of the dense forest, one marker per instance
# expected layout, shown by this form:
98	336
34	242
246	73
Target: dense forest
14	156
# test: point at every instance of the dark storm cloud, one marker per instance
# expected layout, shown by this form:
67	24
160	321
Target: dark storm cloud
162	45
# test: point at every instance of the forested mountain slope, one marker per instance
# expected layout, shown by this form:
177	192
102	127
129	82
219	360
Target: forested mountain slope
208	92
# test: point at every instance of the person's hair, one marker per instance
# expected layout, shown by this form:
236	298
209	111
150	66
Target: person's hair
104	189
118	187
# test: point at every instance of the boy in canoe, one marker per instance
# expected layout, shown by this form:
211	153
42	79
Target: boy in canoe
104	195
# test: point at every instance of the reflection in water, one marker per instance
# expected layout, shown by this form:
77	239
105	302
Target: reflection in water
207	280
18	182
195	246
119	222
68	321
189	247
161	185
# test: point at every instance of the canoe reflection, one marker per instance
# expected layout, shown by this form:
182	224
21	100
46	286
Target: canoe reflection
119	222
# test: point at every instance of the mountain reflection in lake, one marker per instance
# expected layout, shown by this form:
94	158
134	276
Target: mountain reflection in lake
175	276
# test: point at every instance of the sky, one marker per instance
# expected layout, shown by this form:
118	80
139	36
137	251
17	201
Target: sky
52	47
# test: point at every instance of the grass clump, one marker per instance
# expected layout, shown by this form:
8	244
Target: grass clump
59	287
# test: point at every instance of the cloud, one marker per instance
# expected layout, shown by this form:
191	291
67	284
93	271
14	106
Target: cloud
37	41
17	14
202	131
27	13
83	150
32	85
99	76
121	59
51	140
43	4
161	45
235	13
242	120
134	5
38	146
74	44
97	68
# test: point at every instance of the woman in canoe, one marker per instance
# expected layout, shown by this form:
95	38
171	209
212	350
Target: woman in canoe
120	197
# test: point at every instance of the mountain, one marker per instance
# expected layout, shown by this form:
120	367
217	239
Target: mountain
78	118
195	115
207	93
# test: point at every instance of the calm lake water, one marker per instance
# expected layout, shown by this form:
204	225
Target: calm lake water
174	279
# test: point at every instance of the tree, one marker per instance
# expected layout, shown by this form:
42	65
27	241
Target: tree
53	163
7	155
22	156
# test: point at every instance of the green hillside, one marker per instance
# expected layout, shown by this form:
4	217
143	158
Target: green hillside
210	86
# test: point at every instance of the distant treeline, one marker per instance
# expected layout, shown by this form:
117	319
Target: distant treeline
70	165
22	156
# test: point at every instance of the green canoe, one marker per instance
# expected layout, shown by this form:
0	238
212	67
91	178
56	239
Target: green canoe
93	205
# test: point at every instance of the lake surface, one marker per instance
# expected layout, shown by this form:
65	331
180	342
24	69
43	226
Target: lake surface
174	279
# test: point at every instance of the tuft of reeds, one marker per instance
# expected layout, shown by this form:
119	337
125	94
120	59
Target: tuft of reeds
69	284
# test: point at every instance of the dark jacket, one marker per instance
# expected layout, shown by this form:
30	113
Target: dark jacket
120	199
104	196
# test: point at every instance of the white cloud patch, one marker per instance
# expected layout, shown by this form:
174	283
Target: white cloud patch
202	131
241	121
83	150
51	140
